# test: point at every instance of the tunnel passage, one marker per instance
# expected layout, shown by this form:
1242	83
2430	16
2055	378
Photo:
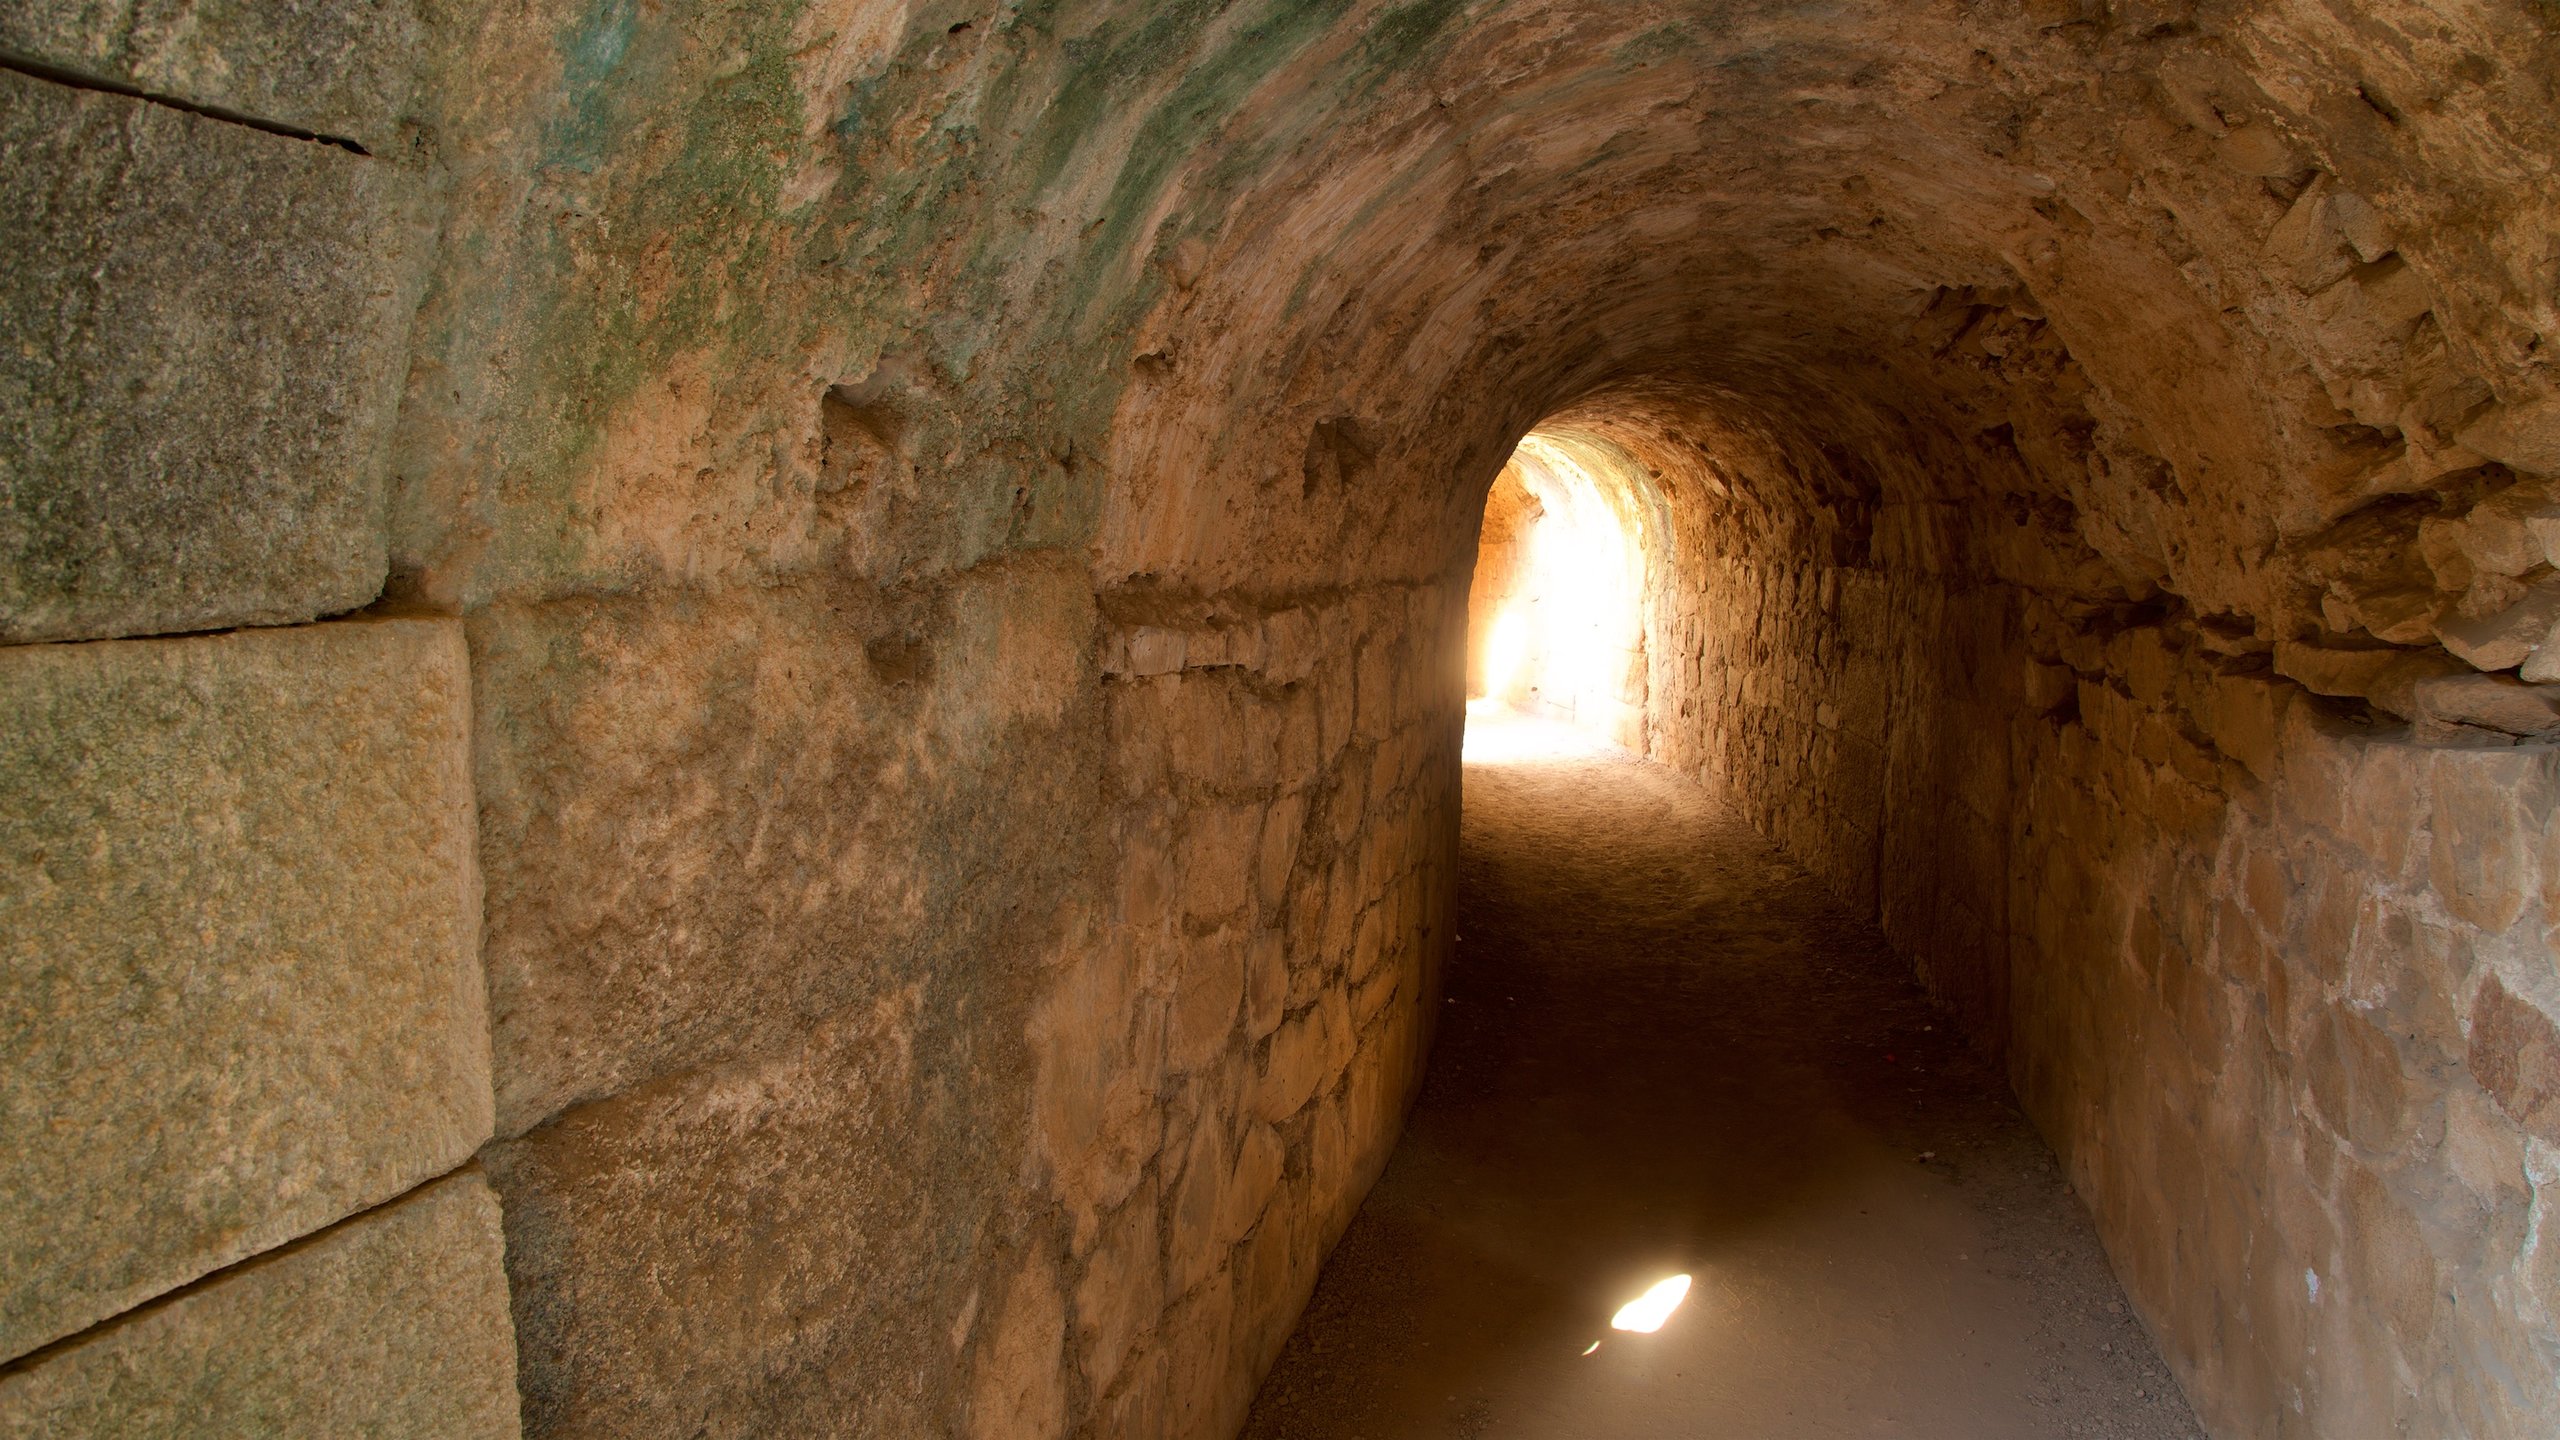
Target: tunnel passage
786	681
1555	603
1670	1068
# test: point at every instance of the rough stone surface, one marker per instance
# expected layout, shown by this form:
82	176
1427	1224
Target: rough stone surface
241	911
334	67
2119	847
201	344
919	475
909	760
698	1258
2515	1055
393	1322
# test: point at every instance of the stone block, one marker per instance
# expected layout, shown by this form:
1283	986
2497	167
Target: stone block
1122	1291
1197	1243
2388	819
2515	1055
344	68
1222	737
2510	636
1208	984
201	348
1207	1388
1279	855
2388	678
1289	646
2388	1259
2487	702
2244	714
2356	1080
2482	831
1096	1084
710	821
2526	436
390	1323
1266	984
1306	1056
1217	860
823	1214
239	978
1153	651
1250	1187
1018	1387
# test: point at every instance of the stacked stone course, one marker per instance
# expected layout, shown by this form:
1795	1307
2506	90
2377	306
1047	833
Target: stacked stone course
821	644
2256	966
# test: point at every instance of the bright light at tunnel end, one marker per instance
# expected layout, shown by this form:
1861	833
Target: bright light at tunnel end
1557	620
1647	1312
1506	649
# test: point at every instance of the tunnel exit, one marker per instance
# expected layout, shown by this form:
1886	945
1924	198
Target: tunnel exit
1555	615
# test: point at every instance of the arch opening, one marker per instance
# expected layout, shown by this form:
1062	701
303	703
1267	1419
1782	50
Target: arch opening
1571	539
940	547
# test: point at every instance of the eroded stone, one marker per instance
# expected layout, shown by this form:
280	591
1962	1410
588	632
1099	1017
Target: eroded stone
241	891
345	69
201	345
2515	1055
393	1322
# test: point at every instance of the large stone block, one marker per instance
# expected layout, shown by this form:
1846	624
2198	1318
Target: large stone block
201	347
335	67
711	821
782	1247
393	1323
239	986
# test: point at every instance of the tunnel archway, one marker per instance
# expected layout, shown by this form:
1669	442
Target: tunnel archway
919	555
2006	492
1556	604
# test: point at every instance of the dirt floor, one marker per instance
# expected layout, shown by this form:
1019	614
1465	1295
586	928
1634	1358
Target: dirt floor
1665	1051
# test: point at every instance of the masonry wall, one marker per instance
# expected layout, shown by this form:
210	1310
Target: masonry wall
1263	987
247	1051
584	865
732	623
2275	981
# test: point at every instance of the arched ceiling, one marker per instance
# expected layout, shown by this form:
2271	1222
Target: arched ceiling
2085	265
2118	298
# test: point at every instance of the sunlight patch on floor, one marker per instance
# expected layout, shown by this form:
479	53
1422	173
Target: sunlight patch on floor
1649	1311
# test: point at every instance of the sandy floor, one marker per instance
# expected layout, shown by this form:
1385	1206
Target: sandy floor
1666	1052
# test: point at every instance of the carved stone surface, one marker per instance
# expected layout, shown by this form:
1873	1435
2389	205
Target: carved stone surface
239	979
201	343
391	1323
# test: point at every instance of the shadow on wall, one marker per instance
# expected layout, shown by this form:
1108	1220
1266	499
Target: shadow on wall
1555	614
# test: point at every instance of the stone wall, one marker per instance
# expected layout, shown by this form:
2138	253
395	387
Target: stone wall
247	1054
2273	977
796	594
1223	1074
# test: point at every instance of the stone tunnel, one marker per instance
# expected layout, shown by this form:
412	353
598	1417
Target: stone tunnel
744	719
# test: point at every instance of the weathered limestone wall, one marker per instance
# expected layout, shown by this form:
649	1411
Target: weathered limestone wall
1861	719
1267	978
2259	968
947	519
2270	972
244	1044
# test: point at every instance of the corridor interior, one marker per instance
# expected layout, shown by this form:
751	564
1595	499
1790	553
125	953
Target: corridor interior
1667	1052
749	718
1667	1056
